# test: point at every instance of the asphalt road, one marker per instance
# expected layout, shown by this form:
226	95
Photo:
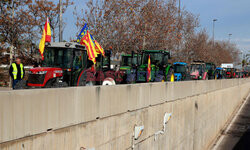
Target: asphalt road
237	135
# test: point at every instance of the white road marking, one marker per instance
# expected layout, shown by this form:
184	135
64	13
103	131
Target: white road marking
230	124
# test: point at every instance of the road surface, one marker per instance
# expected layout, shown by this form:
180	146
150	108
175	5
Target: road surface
237	134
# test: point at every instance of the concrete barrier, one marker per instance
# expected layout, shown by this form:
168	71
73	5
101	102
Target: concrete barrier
103	117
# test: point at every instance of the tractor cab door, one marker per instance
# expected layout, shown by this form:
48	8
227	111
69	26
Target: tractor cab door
165	59
80	63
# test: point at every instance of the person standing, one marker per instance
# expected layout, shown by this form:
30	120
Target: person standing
16	72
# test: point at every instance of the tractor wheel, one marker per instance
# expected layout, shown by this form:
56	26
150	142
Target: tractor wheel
188	77
21	85
89	83
170	76
160	78
83	80
49	83
206	77
109	81
60	85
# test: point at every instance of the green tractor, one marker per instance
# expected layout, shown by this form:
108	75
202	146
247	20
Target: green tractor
210	68
161	69
128	67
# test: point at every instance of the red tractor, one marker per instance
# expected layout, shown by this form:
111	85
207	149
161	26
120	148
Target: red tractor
67	64
231	73
198	71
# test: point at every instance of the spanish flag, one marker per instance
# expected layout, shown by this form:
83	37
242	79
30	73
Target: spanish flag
149	69
90	46
99	49
46	37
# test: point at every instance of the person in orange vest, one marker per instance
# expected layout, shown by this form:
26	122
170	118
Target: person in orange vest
16	72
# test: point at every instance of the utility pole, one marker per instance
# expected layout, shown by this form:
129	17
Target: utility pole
179	24
12	41
60	22
213	29
179	8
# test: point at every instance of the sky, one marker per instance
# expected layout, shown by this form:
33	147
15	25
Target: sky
233	18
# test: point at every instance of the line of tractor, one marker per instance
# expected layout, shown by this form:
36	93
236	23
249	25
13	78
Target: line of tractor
66	64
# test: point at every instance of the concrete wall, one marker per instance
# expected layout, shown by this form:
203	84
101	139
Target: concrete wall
104	117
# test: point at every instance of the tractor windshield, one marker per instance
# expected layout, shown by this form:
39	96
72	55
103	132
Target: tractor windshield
179	68
58	57
156	58
128	61
208	66
195	67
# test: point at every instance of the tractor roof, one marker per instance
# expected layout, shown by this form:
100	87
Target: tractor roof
65	45
210	63
180	63
155	51
128	55
197	63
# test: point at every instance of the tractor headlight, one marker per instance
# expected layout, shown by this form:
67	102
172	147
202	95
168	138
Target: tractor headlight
41	72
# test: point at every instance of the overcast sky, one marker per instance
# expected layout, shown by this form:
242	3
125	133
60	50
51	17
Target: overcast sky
233	17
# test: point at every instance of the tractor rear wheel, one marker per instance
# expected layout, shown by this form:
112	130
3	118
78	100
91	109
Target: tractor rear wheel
83	79
170	74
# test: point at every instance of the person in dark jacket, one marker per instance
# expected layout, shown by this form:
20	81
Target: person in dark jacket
16	72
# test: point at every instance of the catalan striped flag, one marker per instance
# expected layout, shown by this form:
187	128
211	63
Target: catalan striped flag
46	37
90	46
149	69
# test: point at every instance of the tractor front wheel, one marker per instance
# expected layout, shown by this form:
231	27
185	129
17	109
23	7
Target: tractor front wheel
60	85
160	78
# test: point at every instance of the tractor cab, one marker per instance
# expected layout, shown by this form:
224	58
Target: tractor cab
161	70
129	61
181	71
198	71
210	68
230	72
220	73
128	67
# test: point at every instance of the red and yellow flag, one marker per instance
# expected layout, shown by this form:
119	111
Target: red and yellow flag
149	69
99	49
90	46
46	37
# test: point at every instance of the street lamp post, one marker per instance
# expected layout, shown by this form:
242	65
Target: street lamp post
213	29
60	22
229	37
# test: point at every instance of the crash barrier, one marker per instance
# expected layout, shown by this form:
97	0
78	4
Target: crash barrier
106	117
